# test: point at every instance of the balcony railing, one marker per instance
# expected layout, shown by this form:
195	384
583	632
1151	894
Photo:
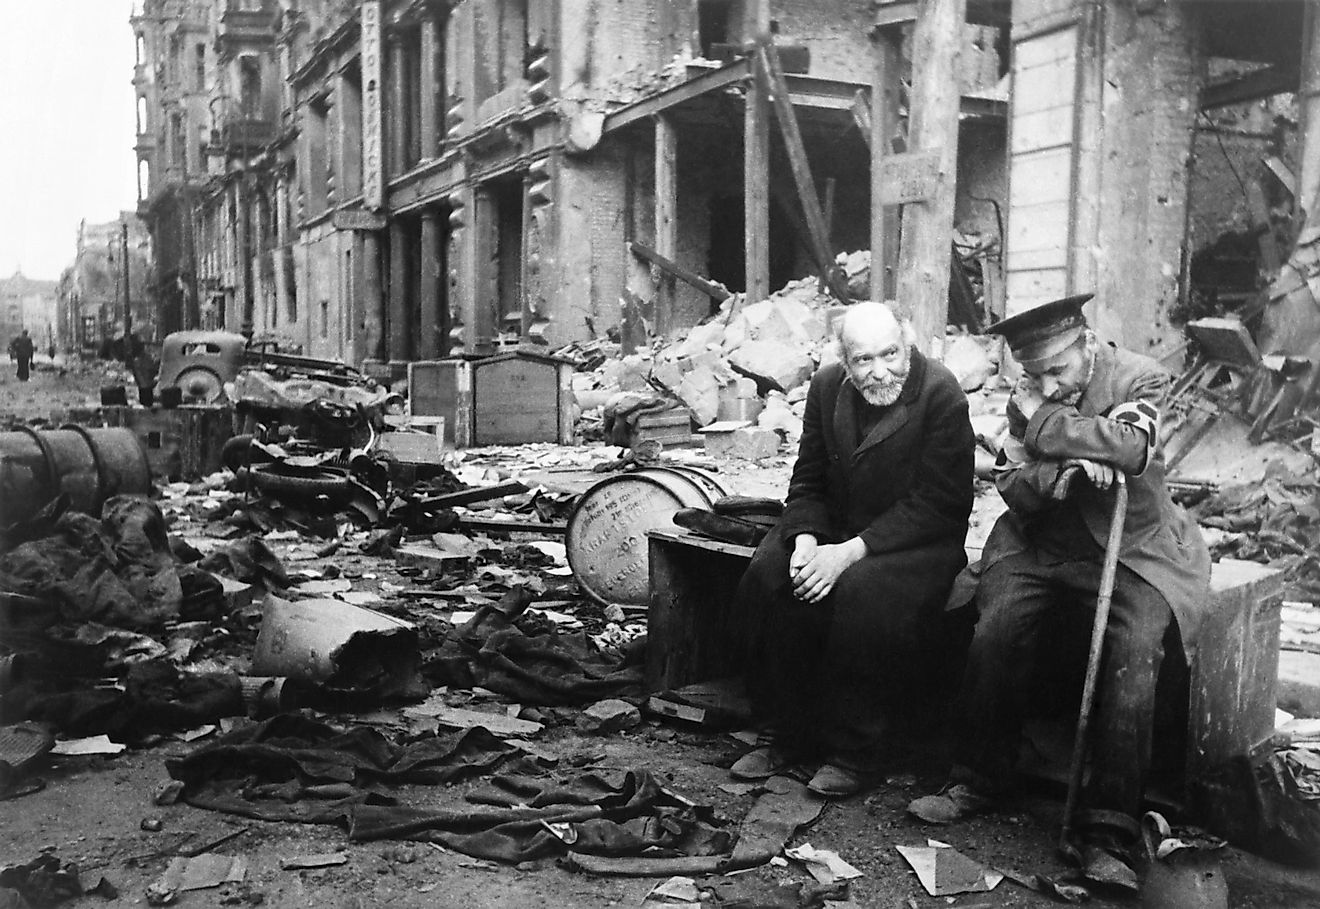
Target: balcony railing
240	133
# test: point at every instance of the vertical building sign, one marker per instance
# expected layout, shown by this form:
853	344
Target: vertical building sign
373	175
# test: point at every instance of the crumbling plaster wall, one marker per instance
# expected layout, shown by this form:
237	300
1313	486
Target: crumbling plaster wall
608	44
834	31
1152	75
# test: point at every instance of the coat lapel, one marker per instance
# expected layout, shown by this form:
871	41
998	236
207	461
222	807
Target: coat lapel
845	417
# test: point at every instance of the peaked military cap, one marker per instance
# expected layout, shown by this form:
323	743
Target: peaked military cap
1043	331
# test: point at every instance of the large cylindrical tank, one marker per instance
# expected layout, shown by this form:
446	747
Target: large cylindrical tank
91	465
606	541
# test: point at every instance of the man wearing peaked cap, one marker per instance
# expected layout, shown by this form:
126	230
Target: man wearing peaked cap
1081	411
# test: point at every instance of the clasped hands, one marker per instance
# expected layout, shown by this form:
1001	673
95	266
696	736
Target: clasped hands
814	568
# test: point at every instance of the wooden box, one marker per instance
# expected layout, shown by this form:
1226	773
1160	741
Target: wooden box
507	399
671	428
1223	703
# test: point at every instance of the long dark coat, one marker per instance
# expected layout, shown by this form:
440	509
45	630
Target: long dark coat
1161	543
906	490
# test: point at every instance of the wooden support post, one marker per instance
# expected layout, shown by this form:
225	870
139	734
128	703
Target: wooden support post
399	328
756	186
927	240
1308	101
666	218
432	315
821	282
768	60
883	123
429	124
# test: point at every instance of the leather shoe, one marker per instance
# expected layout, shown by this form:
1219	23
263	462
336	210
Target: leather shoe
955	803
833	781
759	764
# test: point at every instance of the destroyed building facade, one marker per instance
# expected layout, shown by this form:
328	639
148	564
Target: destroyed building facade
395	180
91	289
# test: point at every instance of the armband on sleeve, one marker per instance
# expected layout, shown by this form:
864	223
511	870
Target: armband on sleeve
1143	416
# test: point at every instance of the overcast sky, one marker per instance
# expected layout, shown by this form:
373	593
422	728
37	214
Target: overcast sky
66	126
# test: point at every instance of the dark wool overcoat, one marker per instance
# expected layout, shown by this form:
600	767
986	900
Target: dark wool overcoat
1161	542
906	489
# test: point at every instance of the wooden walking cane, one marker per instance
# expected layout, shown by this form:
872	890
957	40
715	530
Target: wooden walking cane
1102	602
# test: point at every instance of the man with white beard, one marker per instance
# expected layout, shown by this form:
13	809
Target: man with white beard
839	610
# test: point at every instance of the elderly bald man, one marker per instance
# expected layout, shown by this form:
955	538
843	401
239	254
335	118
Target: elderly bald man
840	606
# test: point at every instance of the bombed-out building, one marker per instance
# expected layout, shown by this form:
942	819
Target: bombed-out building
400	180
91	289
394	180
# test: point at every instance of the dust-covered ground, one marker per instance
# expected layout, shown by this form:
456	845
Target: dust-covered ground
99	812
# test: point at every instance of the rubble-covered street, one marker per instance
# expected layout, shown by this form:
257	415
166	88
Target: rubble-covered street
269	697
740	454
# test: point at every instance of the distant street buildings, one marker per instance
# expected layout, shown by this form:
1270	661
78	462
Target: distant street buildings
27	303
91	289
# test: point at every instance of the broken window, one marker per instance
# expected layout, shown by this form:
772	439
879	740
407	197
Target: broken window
719	22
314	134
501	29
199	68
509	254
178	143
172	61
249	76
350	111
411	48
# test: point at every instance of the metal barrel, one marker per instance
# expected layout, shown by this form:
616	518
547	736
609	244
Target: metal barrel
606	541
91	465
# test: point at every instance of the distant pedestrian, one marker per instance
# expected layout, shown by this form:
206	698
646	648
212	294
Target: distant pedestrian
21	350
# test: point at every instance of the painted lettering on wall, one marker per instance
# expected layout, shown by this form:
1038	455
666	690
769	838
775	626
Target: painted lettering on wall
373	174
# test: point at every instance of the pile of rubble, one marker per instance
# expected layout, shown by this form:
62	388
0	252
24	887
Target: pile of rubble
748	365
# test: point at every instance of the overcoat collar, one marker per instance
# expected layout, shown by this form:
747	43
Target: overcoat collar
893	418
1099	397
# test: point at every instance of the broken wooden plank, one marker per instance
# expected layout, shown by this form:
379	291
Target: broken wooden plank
642	251
1270	261
483	525
861	114
885	87
495	723
666	217
468	496
1282	172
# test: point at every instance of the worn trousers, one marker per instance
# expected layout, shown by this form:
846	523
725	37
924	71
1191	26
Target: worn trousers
1016	596
826	677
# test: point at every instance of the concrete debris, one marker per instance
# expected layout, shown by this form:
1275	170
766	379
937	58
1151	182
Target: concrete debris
604	717
751	443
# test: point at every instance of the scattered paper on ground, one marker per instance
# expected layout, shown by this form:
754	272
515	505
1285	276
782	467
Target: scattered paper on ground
944	871
96	744
822	864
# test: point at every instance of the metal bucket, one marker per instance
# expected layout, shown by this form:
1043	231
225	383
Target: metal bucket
91	465
606	541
